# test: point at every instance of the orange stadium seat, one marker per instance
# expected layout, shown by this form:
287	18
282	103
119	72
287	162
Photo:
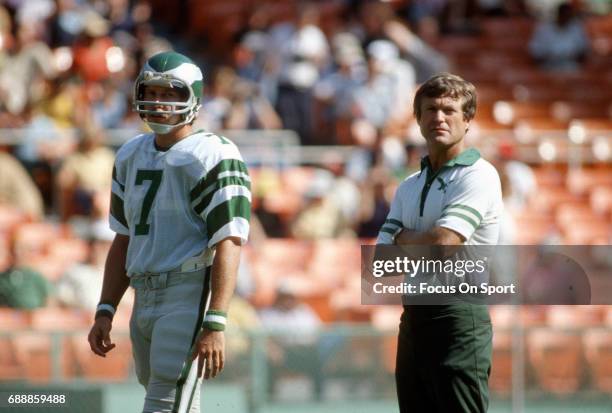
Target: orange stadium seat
534	228
509	112
33	352
500	380
115	367
598	352
556	358
549	176
568	214
549	197
567	110
587	232
581	181
601	199
576	316
495	28
60	319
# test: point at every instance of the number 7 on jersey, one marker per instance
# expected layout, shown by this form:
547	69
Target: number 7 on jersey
155	176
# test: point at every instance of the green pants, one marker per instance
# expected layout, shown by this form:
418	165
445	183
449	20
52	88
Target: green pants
444	359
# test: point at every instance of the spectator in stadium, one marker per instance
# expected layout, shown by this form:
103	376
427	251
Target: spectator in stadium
334	91
84	174
80	285
28	62
20	286
444	351
17	188
562	44
379	22
320	217
293	325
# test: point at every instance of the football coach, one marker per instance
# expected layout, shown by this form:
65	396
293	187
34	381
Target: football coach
444	351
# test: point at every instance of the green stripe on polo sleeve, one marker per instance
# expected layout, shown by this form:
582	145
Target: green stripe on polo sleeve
464	217
225	212
465	208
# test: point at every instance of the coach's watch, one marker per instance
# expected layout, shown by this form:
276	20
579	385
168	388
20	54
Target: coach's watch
396	233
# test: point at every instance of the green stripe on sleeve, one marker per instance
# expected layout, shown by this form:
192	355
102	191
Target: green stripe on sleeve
465	207
394	222
219	184
224	165
464	217
116	209
388	230
225	212
116	180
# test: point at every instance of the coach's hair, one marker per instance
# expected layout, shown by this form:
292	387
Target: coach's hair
447	85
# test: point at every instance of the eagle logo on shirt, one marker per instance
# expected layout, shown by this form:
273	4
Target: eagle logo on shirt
443	185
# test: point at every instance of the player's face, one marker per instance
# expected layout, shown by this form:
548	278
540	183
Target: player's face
162	94
442	122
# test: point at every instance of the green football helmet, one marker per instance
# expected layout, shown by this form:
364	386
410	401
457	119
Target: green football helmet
172	70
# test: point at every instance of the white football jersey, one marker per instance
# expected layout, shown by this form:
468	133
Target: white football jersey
176	203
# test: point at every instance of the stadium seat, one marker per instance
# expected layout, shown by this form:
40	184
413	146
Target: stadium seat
549	198
509	112
601	199
534	227
581	181
574	316
116	366
60	319
33	351
587	232
598	352
11	321
567	110
568	214
556	358
500	380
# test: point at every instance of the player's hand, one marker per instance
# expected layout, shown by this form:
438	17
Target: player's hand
210	347
99	336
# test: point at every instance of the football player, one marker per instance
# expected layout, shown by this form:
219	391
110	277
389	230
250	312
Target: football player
180	208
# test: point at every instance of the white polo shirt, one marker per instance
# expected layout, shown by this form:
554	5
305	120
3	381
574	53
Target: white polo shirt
464	196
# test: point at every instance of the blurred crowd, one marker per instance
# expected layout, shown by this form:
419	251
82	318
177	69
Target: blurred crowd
337	72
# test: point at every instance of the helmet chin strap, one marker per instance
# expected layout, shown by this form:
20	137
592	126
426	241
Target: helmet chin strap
162	128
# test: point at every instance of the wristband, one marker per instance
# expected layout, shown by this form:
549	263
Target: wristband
215	320
105	310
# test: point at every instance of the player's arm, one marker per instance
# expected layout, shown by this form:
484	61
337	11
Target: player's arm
210	345
114	286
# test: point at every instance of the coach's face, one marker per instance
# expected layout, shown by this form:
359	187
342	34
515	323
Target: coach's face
442	122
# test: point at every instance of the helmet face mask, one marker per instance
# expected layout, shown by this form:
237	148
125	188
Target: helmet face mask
175	71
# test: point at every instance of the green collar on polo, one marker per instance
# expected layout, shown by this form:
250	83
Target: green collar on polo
466	158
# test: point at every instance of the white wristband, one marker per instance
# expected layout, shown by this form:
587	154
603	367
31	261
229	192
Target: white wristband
106	307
